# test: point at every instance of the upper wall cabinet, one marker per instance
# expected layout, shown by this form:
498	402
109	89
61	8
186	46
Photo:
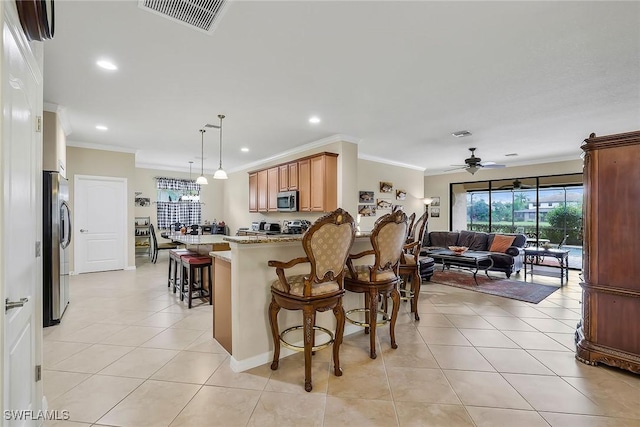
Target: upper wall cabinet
315	177
318	183
288	176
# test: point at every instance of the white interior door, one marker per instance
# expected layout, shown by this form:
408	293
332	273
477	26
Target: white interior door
20	222
100	225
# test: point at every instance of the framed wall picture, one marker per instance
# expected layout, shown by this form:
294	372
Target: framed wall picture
366	197
435	212
436	201
367	210
386	187
401	194
384	204
142	201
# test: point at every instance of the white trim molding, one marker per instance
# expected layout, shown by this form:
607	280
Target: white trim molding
389	162
103	147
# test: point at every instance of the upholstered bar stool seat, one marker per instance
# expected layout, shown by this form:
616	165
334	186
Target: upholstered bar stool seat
173	278
426	268
381	279
192	266
326	243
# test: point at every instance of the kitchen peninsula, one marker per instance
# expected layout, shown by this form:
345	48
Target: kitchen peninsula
241	322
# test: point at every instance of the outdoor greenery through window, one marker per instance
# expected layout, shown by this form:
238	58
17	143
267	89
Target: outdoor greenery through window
548	209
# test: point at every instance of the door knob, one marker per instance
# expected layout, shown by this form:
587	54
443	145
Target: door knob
8	305
82	230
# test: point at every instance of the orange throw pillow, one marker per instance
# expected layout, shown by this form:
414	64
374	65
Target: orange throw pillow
501	243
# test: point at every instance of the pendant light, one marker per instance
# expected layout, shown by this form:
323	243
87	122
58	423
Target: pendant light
220	173
202	180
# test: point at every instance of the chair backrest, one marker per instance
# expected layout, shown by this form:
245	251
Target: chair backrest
327	244
387	238
412	219
417	234
154	240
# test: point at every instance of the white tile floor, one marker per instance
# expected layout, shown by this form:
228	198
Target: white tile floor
128	353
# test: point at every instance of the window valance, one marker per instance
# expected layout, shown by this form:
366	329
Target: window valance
176	184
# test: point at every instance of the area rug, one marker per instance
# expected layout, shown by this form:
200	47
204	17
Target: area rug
502	287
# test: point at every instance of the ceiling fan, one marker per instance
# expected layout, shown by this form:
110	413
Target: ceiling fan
473	163
517	185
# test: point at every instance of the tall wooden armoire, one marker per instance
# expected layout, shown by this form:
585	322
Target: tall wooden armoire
609	331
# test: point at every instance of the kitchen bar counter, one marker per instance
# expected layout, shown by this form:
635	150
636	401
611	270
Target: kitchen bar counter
245	276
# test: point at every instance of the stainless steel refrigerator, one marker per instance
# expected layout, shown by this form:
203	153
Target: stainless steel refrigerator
56	236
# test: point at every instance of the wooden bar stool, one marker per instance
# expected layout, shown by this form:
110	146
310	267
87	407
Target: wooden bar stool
174	260
380	279
191	264
409	268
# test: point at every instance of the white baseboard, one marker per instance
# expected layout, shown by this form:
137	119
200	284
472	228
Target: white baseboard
131	267
267	357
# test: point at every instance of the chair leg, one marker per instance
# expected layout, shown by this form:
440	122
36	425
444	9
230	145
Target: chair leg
169	273
309	319
338	311
416	293
373	319
274	308
181	280
367	309
210	285
395	296
191	281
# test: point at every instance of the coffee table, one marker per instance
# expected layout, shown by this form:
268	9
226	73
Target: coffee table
471	260
533	253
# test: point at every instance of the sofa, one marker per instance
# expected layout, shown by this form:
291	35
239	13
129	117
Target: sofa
508	262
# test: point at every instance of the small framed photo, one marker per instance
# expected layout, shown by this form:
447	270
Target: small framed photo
401	194
366	197
435	212
436	201
367	210
386	187
384	204
142	201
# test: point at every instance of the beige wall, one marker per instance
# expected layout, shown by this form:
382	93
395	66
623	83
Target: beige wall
83	161
211	195
438	185
371	173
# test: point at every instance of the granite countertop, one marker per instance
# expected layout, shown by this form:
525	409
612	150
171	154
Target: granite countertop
197	239
223	255
282	238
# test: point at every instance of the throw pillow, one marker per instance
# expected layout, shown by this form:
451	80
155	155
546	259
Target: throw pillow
501	243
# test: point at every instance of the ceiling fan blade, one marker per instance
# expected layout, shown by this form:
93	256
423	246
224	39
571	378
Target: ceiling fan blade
455	169
488	163
493	166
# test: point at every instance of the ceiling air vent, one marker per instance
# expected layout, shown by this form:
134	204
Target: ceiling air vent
203	15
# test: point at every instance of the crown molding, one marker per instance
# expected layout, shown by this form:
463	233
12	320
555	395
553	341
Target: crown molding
389	162
299	149
103	147
62	116
162	167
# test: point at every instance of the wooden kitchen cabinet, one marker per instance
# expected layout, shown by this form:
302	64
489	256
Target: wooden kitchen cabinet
272	189
263	190
253	192
318	183
315	177
608	331
288	177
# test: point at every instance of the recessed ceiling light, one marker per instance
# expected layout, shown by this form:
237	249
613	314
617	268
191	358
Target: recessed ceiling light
314	120
511	155
461	133
244	149
101	127
107	65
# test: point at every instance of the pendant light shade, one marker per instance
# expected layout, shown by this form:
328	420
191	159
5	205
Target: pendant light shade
220	173
202	180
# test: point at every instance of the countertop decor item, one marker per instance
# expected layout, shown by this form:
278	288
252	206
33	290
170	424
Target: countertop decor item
458	249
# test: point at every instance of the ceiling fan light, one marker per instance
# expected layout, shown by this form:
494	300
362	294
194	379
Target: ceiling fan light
472	169
202	180
220	174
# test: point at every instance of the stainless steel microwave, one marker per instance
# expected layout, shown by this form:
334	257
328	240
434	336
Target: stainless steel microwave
288	201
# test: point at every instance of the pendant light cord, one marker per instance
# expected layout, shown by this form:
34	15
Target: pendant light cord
220	116
202	131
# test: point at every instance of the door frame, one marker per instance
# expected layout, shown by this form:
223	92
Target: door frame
124	219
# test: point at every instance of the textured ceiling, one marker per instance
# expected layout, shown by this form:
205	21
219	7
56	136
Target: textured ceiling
534	78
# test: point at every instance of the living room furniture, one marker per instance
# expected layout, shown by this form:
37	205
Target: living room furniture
608	331
511	261
379	280
474	261
327	244
533	254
